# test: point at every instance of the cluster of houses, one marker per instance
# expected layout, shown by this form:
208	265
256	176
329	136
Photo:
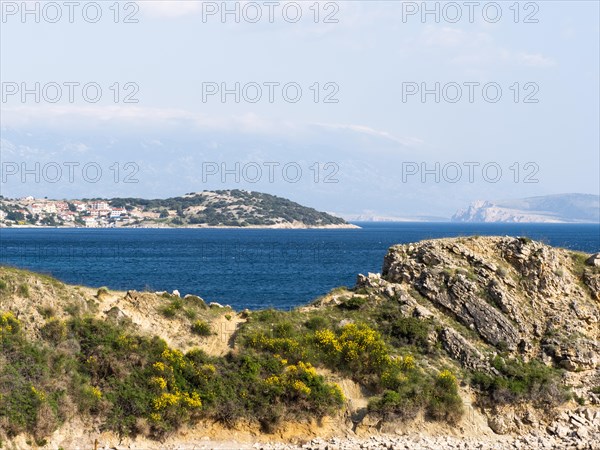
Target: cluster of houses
91	214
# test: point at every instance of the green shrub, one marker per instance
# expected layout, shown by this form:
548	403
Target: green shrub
54	330
23	290
172	308
413	392
88	398
190	313
316	323
73	309
291	348
520	381
47	312
445	403
3	286
201	328
196	301
168	312
353	303
411	331
102	291
400	405
267	315
283	330
28	392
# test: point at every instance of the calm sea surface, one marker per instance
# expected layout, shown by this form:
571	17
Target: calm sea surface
243	268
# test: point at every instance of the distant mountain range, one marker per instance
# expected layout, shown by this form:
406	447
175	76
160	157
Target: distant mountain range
559	208
371	217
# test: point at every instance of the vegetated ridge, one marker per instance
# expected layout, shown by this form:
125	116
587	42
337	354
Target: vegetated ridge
224	208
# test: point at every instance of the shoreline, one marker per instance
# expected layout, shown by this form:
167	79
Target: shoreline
349	226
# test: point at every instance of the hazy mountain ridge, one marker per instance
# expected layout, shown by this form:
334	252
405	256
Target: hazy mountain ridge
559	208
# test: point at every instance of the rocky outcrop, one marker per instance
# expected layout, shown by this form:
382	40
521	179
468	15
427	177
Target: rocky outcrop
518	295
592	281
462	350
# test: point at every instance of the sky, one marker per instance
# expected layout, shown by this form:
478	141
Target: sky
361	108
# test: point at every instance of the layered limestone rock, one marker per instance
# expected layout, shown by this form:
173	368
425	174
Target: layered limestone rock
518	295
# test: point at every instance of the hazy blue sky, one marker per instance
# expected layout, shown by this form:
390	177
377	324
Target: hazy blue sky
370	60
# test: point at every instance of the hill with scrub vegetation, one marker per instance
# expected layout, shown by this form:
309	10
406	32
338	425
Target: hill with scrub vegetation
236	208
485	336
222	208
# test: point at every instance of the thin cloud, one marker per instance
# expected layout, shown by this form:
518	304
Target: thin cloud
170	9
535	60
446	37
408	142
127	117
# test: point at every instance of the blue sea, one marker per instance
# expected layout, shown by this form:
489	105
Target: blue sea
245	268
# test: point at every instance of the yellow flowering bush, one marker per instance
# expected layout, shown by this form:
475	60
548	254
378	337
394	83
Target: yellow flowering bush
39	394
192	400
300	387
273	380
9	324
95	392
126	342
301	370
202	328
445	403
447	380
303	380
159	382
174	357
357	347
327	340
362	339
407	362
165	400
336	392
159	366
208	368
